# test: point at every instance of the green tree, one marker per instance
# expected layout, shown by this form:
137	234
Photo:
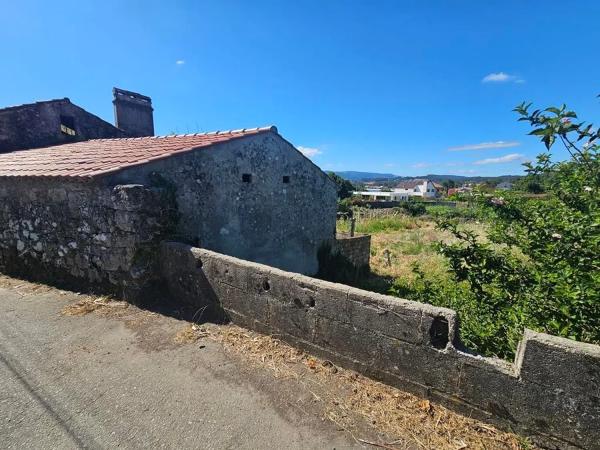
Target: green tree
345	187
541	266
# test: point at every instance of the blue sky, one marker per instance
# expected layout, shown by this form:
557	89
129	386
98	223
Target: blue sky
407	87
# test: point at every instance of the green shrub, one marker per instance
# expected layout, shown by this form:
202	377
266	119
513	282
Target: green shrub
413	208
541	269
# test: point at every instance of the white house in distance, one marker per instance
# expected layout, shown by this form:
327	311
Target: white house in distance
402	192
417	188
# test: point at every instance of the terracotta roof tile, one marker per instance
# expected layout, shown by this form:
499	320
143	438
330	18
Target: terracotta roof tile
83	160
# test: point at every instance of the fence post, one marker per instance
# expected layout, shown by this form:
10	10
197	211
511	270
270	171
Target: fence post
352	226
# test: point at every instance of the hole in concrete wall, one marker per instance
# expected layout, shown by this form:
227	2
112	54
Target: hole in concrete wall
199	264
266	286
438	333
246	177
311	303
286	179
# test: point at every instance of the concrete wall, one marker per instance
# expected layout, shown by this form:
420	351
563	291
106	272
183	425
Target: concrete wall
356	249
82	234
38	125
551	392
265	220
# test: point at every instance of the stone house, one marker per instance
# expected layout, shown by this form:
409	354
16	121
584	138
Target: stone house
94	211
56	122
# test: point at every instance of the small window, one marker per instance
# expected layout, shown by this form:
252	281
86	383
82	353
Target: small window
67	125
246	178
286	179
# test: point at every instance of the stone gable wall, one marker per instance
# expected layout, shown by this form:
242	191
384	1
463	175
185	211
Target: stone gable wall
38	125
266	219
551	392
82	234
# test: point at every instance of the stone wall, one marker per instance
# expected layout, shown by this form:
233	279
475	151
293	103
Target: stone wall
82	234
356	249
38	125
281	216
551	391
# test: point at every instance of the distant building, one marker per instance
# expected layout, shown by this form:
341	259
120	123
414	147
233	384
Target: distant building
56	122
402	192
417	188
382	196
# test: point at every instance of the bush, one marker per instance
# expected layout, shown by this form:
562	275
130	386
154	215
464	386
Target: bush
413	208
541	269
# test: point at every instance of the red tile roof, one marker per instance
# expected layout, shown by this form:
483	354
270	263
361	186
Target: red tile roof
83	160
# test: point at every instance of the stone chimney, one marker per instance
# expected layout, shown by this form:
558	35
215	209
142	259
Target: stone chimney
133	113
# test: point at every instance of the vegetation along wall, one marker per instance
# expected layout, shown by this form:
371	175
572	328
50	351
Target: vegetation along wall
551	392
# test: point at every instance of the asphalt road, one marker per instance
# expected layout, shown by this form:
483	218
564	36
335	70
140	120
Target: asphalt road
100	382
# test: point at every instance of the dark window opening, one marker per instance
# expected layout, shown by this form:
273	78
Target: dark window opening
246	177
438	333
286	178
67	125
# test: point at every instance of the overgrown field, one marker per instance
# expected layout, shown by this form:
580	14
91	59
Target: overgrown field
405	262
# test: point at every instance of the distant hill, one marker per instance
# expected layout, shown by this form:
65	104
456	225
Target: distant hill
365	176
387	177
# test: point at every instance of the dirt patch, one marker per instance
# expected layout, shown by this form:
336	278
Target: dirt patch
348	398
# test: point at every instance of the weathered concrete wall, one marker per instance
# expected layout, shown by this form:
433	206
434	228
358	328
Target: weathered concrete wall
38	125
266	220
551	392
82	234
356	249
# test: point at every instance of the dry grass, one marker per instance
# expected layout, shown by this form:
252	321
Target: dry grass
24	288
189	334
412	243
346	396
90	304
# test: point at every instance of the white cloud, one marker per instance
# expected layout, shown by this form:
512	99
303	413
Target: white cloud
501	160
309	152
501	77
180	62
485	146
420	165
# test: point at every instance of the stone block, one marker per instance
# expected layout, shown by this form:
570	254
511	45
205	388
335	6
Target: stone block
422	364
396	318
347	340
550	360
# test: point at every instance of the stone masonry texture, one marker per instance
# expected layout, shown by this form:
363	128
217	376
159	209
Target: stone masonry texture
255	197
356	249
38	125
550	393
280	216
82	234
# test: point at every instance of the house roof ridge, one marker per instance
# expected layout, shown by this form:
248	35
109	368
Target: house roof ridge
86	159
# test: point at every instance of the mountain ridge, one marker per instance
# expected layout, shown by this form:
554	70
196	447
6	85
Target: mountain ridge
374	176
